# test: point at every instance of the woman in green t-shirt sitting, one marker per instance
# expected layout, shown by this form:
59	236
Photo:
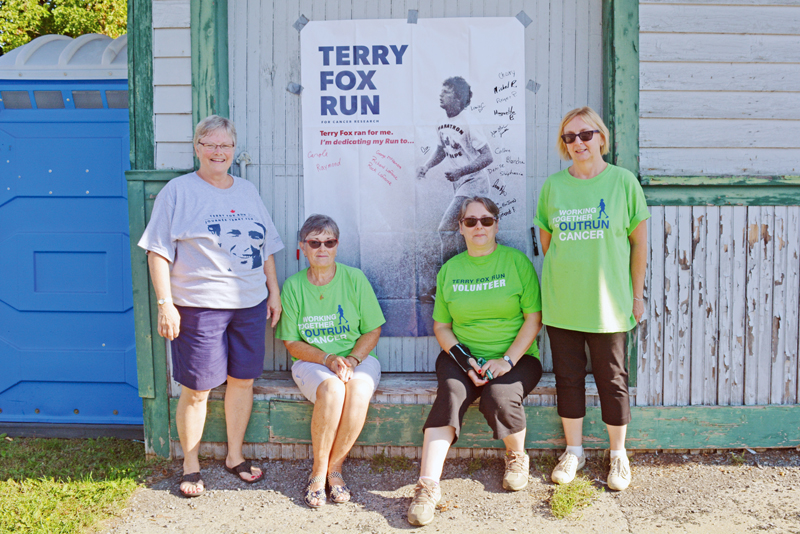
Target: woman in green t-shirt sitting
594	237
487	306
330	325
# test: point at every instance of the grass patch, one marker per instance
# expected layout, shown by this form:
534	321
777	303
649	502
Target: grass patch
381	462
62	486
738	459
545	463
475	464
567	498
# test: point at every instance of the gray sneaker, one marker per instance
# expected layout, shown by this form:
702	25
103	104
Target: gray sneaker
427	495
517	470
619	476
568	465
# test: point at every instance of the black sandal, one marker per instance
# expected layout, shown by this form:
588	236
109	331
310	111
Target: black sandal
244	467
192	478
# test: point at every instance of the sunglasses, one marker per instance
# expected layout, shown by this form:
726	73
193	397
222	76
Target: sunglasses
585	136
315	244
470	222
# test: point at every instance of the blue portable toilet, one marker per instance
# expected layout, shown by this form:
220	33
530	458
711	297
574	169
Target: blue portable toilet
67	348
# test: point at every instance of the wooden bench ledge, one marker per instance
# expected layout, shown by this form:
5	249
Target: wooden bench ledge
281	384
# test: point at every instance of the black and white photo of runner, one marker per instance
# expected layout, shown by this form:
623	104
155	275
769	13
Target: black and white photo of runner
465	153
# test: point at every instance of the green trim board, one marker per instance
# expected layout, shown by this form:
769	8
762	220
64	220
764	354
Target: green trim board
154	175
655	427
140	83
621	81
209	35
722	190
720	181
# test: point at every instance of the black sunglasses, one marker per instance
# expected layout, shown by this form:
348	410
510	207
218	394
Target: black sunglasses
315	243
585	136
470	222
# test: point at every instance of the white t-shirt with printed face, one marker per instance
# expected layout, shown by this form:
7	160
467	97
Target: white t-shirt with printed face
216	241
461	143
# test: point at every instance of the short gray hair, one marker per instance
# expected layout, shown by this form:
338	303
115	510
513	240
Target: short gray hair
316	224
487	202
211	124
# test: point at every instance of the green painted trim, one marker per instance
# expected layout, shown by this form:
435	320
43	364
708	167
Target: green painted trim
621	81
724	181
140	83
631	345
717	195
674	427
154	176
141	295
209	30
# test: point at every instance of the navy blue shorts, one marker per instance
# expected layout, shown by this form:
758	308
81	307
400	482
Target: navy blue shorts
214	344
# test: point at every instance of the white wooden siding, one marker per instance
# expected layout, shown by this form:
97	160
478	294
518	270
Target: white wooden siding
563	56
721	322
172	84
720	87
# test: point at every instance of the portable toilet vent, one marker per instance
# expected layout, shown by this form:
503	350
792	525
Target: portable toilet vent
67	348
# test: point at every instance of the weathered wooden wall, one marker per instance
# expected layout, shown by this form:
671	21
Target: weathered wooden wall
720	87
563	55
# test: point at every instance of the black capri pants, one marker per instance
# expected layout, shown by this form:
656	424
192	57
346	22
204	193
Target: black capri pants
608	366
501	398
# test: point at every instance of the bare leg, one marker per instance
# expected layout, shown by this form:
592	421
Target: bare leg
190	417
452	241
238	405
573	431
324	422
356	403
616	436
515	442
434	450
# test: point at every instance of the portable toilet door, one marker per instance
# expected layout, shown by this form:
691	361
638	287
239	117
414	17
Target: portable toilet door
67	348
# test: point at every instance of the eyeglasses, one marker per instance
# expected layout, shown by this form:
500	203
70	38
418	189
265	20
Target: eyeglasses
211	147
315	243
486	222
585	136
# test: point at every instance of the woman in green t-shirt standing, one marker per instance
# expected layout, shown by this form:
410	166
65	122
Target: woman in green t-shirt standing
330	325
487	306
594	236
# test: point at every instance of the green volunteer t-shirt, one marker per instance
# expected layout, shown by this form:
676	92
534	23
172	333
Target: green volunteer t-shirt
330	317
586	277
485	298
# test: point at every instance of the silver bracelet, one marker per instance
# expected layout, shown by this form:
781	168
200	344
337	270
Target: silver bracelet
325	361
642	300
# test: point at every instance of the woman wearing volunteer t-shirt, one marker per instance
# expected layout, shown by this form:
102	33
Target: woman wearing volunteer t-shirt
594	236
487	306
330	325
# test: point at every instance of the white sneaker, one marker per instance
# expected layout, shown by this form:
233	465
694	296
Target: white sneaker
619	476
426	496
517	470
568	464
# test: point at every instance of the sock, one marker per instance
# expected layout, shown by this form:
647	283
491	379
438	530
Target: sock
434	480
618	453
577	451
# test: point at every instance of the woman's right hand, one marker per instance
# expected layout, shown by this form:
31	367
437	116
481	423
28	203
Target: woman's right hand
473	373
169	321
340	367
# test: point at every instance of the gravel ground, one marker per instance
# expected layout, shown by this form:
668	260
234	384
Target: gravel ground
725	493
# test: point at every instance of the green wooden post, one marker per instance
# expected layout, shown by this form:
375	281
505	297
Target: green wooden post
209	59
140	83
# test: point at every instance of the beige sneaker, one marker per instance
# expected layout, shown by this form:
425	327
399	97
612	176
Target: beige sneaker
427	495
619	476
517	470
568	465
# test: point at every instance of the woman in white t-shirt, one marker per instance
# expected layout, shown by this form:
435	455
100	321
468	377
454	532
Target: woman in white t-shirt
210	244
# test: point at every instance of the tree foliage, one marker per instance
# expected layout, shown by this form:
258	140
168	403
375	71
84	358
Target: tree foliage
24	20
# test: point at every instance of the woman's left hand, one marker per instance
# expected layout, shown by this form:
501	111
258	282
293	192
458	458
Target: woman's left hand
274	308
638	309
498	367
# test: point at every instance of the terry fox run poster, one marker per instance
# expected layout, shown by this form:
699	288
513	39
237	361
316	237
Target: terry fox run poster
401	122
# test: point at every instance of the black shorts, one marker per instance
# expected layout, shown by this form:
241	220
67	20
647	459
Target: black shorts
501	398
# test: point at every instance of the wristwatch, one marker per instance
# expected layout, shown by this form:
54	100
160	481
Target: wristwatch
510	362
161	302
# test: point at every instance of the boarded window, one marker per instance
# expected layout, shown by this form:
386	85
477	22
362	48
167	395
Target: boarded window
117	99
49	99
16	99
87	99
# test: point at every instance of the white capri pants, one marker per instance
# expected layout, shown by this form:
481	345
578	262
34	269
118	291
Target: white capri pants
308	376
